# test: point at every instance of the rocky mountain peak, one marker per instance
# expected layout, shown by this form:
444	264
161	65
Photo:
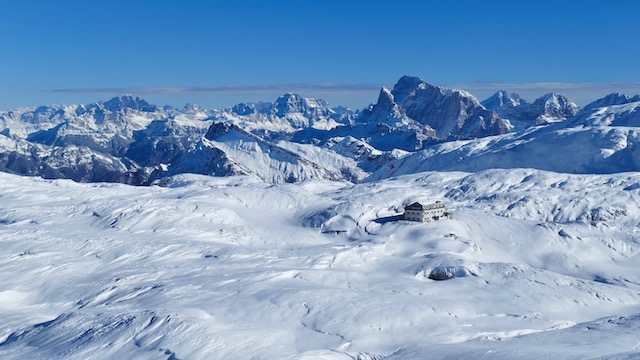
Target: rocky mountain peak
553	107
448	112
128	102
501	100
245	109
407	86
385	99
218	129
613	99
288	103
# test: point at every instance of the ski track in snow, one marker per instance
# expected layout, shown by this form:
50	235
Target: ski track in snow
545	265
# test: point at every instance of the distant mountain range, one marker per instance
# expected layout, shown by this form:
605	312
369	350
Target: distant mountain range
549	108
414	127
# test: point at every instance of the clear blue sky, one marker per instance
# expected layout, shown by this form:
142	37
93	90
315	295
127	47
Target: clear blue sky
217	53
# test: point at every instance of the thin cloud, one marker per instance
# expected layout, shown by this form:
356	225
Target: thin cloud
581	93
322	88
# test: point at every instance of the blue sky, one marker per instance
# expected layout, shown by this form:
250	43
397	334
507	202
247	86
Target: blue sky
218	53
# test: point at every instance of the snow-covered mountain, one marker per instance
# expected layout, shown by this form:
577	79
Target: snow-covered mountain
126	139
413	115
227	150
450	113
129	140
412	128
612	99
83	143
502	101
549	108
614	110
383	126
289	113
599	139
79	163
104	126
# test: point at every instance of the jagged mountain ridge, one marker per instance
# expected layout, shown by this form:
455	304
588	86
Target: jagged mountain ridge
383	126
289	113
93	142
228	150
451	113
413	115
597	140
502	100
551	107
129	140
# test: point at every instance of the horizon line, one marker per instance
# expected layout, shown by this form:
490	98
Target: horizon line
358	89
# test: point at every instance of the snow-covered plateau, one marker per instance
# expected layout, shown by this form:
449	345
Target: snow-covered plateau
274	230
541	265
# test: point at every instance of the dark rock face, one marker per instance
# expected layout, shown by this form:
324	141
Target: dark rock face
218	129
447	272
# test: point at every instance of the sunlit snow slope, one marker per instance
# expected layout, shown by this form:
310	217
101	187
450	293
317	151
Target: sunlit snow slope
544	265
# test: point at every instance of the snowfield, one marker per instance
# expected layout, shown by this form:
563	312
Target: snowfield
540	265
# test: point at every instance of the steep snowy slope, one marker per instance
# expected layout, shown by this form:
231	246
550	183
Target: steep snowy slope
622	112
228	150
597	140
545	265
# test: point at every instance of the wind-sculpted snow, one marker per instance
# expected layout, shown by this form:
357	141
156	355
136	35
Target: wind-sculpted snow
533	264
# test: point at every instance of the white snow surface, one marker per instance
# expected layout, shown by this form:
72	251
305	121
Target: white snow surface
544	264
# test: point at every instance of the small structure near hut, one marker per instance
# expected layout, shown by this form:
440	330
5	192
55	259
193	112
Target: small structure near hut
420	212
